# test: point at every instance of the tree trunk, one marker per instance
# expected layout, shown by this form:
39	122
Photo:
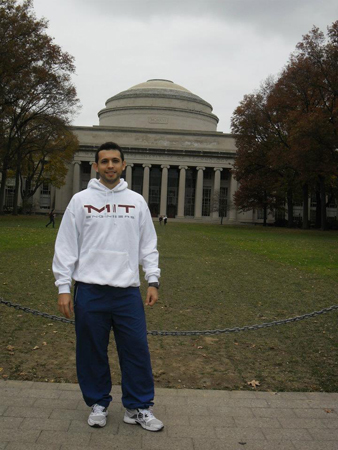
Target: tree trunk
305	206
290	209
3	189
322	203
265	212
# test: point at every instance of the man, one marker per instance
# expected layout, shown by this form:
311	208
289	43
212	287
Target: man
51	216
106	232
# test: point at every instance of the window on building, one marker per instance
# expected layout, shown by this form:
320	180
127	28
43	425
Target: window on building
225	174
9	193
45	197
208	173
172	199
189	202
223	202
155	190
85	168
206	200
45	189
280	214
137	179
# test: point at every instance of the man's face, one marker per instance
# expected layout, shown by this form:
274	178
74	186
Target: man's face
110	167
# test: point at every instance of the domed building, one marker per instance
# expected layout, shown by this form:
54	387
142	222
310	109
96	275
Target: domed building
158	104
175	156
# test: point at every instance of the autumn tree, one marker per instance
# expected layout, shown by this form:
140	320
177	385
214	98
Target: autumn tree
289	127
35	89
47	150
256	193
308	94
260	181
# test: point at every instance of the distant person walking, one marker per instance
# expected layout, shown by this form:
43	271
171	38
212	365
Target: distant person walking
165	220
160	219
51	216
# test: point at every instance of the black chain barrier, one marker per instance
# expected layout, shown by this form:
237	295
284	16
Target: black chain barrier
184	333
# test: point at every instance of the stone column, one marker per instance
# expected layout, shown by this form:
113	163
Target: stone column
199	193
76	176
92	170
217	189
146	177
129	174
181	191
232	207
164	190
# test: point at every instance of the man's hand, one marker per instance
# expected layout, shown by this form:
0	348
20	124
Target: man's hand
152	296
65	305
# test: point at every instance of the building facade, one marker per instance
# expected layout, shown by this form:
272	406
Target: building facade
175	156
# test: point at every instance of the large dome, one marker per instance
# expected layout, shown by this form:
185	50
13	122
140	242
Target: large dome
159	104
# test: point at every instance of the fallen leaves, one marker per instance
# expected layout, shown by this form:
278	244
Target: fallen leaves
254	383
10	349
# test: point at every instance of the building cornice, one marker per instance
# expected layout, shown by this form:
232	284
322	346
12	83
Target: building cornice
153	110
159	93
166	152
217	134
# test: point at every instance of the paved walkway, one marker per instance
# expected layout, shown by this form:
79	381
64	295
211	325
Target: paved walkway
47	416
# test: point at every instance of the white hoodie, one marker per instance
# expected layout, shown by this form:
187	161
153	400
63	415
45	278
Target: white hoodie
104	235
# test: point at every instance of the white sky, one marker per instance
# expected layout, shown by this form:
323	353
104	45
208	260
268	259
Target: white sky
218	49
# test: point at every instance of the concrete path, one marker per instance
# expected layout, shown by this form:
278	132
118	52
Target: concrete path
47	416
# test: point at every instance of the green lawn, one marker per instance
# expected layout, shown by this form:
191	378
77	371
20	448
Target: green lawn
213	277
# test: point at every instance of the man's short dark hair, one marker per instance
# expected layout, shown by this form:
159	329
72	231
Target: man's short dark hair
108	146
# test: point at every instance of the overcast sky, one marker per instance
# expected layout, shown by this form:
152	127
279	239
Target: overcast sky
218	49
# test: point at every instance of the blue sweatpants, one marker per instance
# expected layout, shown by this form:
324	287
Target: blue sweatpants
97	310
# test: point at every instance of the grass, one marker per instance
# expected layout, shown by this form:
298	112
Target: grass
213	277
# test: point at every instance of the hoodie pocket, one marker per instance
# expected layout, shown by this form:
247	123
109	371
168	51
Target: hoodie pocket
106	267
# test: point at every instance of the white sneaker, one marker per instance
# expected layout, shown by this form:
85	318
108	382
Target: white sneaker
143	417
97	418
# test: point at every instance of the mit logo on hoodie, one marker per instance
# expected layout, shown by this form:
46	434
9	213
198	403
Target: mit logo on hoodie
109	208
